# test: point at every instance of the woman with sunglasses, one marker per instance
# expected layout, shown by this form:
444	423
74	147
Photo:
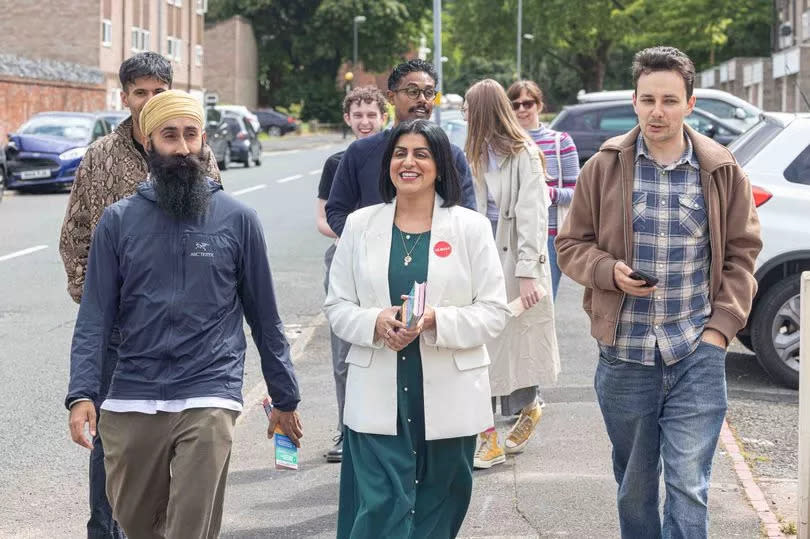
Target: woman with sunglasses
560	154
417	394
510	190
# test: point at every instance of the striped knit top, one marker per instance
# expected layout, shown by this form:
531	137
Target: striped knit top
545	140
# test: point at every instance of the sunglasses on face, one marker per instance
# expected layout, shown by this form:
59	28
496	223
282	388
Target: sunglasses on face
413	92
528	104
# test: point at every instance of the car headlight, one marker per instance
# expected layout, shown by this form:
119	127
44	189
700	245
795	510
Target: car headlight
75	153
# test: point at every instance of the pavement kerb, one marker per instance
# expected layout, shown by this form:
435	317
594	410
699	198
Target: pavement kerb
259	390
753	493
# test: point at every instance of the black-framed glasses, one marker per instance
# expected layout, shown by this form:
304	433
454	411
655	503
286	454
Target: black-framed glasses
527	104
413	92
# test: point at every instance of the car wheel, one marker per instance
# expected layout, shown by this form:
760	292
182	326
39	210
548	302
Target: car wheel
226	159
249	159
274	131
775	331
2	183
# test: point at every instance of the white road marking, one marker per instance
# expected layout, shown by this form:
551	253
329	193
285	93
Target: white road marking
23	252
316	171
281	152
253	397
290	178
248	190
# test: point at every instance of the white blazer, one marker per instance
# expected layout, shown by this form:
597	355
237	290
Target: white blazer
466	289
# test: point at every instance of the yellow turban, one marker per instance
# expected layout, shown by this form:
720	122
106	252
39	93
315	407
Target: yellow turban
169	105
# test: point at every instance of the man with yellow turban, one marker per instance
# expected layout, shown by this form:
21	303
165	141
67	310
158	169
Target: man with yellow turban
177	265
110	170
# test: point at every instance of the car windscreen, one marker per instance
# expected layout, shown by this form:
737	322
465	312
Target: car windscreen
69	127
755	139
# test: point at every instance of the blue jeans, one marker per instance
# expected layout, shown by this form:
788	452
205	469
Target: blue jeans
101	523
555	269
670	414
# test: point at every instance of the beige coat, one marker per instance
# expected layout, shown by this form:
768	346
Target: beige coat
465	287
526	353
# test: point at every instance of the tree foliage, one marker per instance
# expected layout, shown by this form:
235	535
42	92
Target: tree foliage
302	44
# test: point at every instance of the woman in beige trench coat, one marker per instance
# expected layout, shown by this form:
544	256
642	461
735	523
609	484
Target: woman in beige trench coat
511	191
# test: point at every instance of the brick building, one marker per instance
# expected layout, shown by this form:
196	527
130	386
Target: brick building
100	34
31	86
232	62
777	82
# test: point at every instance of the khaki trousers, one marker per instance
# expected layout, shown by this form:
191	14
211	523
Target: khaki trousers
166	472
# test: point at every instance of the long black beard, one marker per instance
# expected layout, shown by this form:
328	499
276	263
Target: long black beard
180	184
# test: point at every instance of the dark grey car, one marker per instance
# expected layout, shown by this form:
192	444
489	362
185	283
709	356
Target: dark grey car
591	124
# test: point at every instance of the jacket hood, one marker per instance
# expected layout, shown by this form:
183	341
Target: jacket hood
45	144
710	154
147	189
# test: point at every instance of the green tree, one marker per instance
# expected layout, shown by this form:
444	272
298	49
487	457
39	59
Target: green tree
303	43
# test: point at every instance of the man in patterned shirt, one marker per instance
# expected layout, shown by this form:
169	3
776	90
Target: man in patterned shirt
111	170
670	203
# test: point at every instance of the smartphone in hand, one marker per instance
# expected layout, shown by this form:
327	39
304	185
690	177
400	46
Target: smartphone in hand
649	280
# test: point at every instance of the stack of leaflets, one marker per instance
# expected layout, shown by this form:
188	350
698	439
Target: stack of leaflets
286	451
414	307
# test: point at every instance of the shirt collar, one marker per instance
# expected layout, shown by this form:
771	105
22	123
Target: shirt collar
687	157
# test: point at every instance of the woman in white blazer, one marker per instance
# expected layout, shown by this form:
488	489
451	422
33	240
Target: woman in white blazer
510	190
415	397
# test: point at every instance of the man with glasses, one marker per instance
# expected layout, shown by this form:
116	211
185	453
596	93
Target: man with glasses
412	91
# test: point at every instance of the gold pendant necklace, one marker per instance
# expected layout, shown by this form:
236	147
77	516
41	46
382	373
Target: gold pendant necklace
408	259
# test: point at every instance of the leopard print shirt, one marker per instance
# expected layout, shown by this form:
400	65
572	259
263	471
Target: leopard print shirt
111	170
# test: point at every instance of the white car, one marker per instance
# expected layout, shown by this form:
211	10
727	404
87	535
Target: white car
775	155
244	112
728	107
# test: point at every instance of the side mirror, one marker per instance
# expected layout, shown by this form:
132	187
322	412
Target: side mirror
711	131
739	113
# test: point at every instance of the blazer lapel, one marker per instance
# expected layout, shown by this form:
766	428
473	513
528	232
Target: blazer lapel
378	251
442	238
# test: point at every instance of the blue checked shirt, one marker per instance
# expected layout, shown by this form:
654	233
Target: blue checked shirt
670	241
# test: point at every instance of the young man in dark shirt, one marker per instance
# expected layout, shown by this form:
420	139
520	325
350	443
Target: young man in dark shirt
364	112
412	91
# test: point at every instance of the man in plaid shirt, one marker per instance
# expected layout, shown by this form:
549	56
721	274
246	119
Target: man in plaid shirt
670	203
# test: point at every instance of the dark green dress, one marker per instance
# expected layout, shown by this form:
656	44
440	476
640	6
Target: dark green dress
404	486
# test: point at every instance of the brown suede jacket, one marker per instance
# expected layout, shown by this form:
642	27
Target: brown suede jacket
111	170
598	232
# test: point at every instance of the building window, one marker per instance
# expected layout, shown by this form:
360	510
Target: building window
202	6
198	55
174	49
140	39
178	3
106	32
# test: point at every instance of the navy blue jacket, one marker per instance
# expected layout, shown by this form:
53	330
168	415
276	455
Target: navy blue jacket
178	291
357	180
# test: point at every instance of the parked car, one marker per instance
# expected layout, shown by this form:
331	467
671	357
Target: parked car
591	124
728	107
275	123
245	145
47	149
242	111
115	117
219	137
775	155
3	173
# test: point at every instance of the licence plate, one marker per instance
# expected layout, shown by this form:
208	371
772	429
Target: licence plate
34	174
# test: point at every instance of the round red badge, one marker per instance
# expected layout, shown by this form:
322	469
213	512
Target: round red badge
442	249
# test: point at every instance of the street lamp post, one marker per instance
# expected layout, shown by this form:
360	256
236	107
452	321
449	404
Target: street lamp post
357	20
437	52
519	35
530	37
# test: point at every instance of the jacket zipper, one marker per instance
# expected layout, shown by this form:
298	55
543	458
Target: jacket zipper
626	246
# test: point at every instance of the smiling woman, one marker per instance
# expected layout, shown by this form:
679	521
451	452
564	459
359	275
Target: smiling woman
417	392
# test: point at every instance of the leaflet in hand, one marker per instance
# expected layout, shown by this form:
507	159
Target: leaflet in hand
414	307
